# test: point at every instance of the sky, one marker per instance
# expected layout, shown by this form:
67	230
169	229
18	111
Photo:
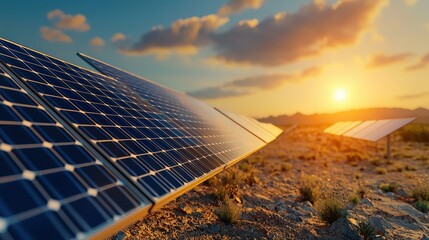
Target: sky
253	57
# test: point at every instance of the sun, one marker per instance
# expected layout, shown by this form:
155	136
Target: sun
340	95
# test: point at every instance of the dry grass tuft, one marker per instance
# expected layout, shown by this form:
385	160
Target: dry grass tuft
331	208
389	187
422	206
308	189
366	230
421	192
380	170
229	212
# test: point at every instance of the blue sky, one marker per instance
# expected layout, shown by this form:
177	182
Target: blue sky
225	63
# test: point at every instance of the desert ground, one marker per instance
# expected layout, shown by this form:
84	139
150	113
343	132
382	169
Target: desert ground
290	188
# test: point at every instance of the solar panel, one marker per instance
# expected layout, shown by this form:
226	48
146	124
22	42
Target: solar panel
51	186
372	130
251	125
163	141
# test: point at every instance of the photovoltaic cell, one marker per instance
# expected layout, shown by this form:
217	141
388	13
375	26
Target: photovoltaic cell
45	191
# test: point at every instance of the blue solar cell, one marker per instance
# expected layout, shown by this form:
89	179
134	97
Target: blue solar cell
7	114
54	134
86	213
38	159
25	197
47	225
16	97
95	176
17	134
74	154
61	185
32	114
8	167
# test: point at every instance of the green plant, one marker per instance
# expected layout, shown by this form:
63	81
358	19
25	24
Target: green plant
331	208
366	230
229	212
421	192
389	187
422	206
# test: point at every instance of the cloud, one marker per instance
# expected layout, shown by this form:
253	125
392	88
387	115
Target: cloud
96	42
288	37
118	37
183	35
54	35
236	6
410	3
250	84
424	61
413	96
66	21
380	59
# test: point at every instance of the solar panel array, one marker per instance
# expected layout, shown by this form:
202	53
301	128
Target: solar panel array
372	130
83	154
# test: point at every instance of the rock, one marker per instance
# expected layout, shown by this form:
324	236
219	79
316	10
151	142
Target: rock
391	195
380	224
366	201
342	229
306	234
119	235
424	237
401	192
294	217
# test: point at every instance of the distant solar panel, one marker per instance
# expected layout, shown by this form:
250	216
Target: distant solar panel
111	139
51	187
372	130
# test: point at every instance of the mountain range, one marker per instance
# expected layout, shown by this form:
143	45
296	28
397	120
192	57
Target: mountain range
422	115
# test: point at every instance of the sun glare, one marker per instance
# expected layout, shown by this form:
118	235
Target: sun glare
340	95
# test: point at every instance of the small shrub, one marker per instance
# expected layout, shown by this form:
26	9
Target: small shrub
222	193
308	190
421	192
410	168
366	230
354	198
415	132
376	162
422	206
330	209
380	170
362	190
389	187
285	167
245	167
233	176
229	212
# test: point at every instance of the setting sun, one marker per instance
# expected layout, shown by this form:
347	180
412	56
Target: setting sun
340	95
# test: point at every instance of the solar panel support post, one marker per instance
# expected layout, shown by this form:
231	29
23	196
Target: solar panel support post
388	148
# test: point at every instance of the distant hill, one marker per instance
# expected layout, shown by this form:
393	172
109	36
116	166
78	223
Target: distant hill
422	115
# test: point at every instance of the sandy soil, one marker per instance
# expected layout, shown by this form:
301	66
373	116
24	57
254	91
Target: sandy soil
268	194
